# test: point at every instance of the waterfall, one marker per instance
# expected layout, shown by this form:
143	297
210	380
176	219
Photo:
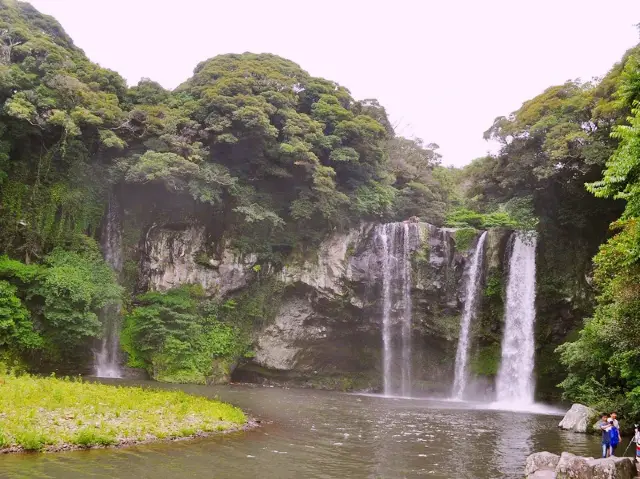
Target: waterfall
387	264
107	364
394	242
515	383
407	315
474	279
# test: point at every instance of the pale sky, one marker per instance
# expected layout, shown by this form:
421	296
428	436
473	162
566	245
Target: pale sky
443	69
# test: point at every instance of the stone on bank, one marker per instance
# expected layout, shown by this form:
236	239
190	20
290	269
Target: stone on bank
578	418
569	466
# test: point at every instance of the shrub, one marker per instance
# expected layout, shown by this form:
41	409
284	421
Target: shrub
177	334
88	437
31	440
464	238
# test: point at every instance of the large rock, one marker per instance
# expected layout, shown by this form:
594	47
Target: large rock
279	345
612	468
541	463
569	466
578	418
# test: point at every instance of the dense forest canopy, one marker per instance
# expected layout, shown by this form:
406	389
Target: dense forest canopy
275	160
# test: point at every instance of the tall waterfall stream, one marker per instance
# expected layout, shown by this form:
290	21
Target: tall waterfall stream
106	363
474	280
394	240
515	383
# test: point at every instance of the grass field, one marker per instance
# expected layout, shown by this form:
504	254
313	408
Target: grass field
51	414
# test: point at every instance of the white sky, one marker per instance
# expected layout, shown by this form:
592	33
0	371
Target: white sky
443	69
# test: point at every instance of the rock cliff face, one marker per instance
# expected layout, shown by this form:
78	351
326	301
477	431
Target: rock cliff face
326	331
175	256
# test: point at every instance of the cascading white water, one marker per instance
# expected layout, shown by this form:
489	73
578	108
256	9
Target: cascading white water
407	315
394	240
474	279
106	363
515	383
387	264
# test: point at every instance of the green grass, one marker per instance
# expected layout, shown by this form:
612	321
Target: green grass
48	413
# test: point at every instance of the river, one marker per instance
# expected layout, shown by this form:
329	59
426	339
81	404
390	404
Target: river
322	434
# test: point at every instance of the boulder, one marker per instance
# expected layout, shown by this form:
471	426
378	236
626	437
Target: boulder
578	418
541	463
571	466
612	468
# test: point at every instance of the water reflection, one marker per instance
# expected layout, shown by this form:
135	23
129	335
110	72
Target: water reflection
316	434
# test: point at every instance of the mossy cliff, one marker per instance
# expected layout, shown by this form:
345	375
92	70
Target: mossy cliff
323	327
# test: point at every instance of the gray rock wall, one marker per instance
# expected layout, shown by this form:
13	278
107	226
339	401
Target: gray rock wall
328	329
177	256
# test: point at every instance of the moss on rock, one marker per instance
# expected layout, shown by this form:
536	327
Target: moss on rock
486	360
464	238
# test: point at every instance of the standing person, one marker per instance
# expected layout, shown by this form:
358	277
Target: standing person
614	436
604	426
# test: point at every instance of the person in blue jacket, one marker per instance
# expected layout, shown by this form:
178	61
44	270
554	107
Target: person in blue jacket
614	437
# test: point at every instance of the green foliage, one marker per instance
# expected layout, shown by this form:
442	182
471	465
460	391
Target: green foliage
54	306
74	287
91	436
486	361
58	124
375	200
422	185
176	335
16	328
49	412
421	255
603	362
464	217
494	287
464	238
31	440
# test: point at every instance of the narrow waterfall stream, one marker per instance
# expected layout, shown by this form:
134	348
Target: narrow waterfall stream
474	279
407	316
106	364
515	383
394	240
